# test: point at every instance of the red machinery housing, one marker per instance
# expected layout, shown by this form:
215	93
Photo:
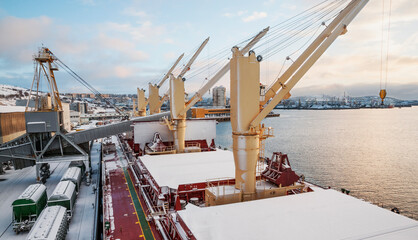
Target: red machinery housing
279	171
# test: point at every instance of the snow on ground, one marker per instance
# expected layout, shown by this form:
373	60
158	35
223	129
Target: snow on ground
7	90
7	109
103	110
81	225
12	184
8	94
175	169
7	101
322	214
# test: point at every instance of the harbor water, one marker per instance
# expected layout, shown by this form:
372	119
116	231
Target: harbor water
373	153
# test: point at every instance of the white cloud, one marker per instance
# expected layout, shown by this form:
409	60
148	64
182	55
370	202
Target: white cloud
269	2
100	57
141	31
240	13
135	13
236	14
124	48
123	71
169	41
255	16
20	36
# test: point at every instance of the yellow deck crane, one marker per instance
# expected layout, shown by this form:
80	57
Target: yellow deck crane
249	108
154	96
140	106
155	101
178	106
140	109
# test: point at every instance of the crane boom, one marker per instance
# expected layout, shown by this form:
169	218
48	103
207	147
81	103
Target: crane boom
305	62
155	101
300	60
170	70
193	58
198	96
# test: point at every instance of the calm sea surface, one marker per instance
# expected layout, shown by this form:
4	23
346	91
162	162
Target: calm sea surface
371	152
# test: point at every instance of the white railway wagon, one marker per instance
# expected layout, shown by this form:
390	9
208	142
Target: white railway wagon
73	174
52	224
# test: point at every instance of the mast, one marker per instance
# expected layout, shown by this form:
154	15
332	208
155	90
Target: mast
154	97
178	106
199	94
155	101
142	102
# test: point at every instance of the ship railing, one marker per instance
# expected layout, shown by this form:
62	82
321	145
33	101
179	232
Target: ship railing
162	150
387	206
218	186
176	228
193	144
149	182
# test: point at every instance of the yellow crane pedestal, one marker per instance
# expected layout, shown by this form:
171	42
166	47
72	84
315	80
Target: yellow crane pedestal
246	149
245	98
177	104
141	103
179	133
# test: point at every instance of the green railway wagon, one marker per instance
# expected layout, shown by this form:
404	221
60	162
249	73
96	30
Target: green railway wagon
79	164
73	174
28	206
64	195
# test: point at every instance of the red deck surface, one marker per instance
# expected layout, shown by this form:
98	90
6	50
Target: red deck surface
122	206
125	218
119	204
155	233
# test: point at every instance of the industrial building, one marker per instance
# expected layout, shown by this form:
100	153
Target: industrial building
219	96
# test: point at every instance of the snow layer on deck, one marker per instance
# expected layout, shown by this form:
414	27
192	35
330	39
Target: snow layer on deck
323	214
183	168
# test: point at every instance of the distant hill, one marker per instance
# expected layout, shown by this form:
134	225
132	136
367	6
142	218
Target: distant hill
327	97
9	94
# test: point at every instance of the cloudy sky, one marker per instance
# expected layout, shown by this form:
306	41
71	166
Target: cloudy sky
120	45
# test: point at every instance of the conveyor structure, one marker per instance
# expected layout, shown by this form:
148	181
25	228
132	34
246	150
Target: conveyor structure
20	150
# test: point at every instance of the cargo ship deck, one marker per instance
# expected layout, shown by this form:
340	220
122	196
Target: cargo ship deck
123	212
13	183
320	214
